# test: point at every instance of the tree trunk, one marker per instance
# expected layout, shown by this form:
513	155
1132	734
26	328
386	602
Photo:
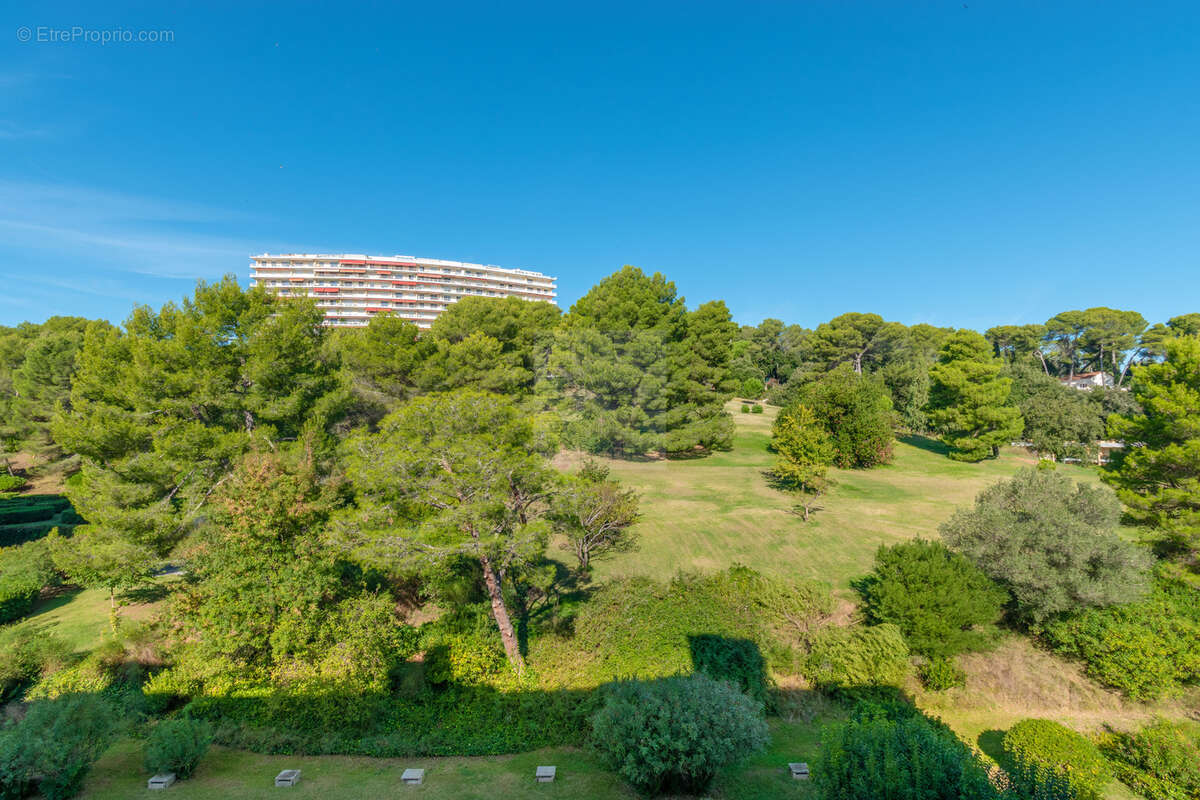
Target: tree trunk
1042	358
508	633
858	363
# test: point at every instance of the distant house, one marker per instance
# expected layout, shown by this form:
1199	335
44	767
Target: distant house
1086	381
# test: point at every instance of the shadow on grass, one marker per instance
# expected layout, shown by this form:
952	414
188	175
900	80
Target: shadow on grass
991	742
926	443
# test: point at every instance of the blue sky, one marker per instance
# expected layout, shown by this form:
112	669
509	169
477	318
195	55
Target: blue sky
963	164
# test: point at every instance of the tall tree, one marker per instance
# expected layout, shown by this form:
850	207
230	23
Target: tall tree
1064	333
1059	421
1157	475
969	400
1017	343
1110	337
639	373
857	412
160	411
379	363
861	340
454	475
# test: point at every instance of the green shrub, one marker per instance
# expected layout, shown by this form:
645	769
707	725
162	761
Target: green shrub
675	733
857	656
11	483
752	388
756	409
1146	649
1040	749
24	570
745	408
32	508
54	746
942	603
177	745
1161	761
941	673
26	652
899	759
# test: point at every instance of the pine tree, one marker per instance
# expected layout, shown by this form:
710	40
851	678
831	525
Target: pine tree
969	400
803	453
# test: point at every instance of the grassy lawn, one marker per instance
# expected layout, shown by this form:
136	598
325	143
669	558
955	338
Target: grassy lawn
234	773
708	513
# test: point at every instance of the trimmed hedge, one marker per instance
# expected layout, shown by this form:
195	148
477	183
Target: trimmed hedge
1041	750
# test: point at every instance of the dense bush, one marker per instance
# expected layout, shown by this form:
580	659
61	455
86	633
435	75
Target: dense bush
939	674
674	734
752	388
857	412
756	409
24	570
745	408
11	483
1145	649
54	746
32	508
910	758
27	652
942	603
1040	750
1052	543
177	745
857	656
1160	762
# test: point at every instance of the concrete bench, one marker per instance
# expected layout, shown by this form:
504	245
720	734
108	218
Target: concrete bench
545	774
289	777
413	777
161	781
799	770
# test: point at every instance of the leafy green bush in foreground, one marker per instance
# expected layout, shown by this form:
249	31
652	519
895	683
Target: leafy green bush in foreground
1159	762
177	745
54	746
1041	750
674	734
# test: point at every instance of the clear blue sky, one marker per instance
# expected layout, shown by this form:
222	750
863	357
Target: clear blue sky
971	165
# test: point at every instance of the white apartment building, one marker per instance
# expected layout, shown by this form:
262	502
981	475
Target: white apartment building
352	288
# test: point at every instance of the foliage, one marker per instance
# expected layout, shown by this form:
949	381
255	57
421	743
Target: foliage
637	628
969	400
675	734
942	603
161	411
594	514
54	746
177	745
752	388
859	340
24	571
803	453
639	373
27	652
1146	649
909	758
1059	421
756	408
1161	761
857	412
11	483
378	363
1039	748
1053	544
857	656
941	673
452	475
1159	479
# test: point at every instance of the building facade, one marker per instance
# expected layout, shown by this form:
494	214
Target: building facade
352	288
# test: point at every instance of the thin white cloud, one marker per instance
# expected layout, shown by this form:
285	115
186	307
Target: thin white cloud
142	235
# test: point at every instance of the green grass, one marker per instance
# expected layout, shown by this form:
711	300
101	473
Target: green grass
79	617
708	513
233	773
